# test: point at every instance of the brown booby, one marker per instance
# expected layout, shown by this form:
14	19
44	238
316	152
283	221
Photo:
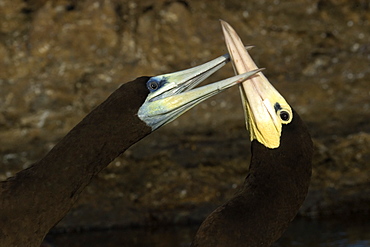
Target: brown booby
280	169
37	198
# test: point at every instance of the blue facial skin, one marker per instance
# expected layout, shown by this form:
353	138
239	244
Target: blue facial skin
277	107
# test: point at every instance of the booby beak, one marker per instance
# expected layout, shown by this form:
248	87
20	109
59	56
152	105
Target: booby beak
170	95
265	109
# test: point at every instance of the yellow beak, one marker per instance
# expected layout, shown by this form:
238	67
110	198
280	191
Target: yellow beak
265	109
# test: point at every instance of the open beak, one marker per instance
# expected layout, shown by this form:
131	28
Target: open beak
170	95
265	109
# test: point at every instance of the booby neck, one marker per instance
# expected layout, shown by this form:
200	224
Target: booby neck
274	189
46	191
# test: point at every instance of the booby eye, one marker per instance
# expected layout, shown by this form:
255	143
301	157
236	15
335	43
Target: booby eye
284	115
153	84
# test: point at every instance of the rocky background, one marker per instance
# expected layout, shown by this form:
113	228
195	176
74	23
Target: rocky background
60	59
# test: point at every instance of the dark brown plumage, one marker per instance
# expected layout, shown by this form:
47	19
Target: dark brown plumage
37	198
274	189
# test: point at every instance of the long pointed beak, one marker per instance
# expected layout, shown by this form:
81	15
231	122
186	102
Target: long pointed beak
265	109
170	95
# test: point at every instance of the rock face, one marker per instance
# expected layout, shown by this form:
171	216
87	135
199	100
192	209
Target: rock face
60	59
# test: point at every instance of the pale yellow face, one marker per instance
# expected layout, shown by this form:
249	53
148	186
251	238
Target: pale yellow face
265	109
170	95
265	114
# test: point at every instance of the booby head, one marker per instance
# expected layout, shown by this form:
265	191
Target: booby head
265	109
170	95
